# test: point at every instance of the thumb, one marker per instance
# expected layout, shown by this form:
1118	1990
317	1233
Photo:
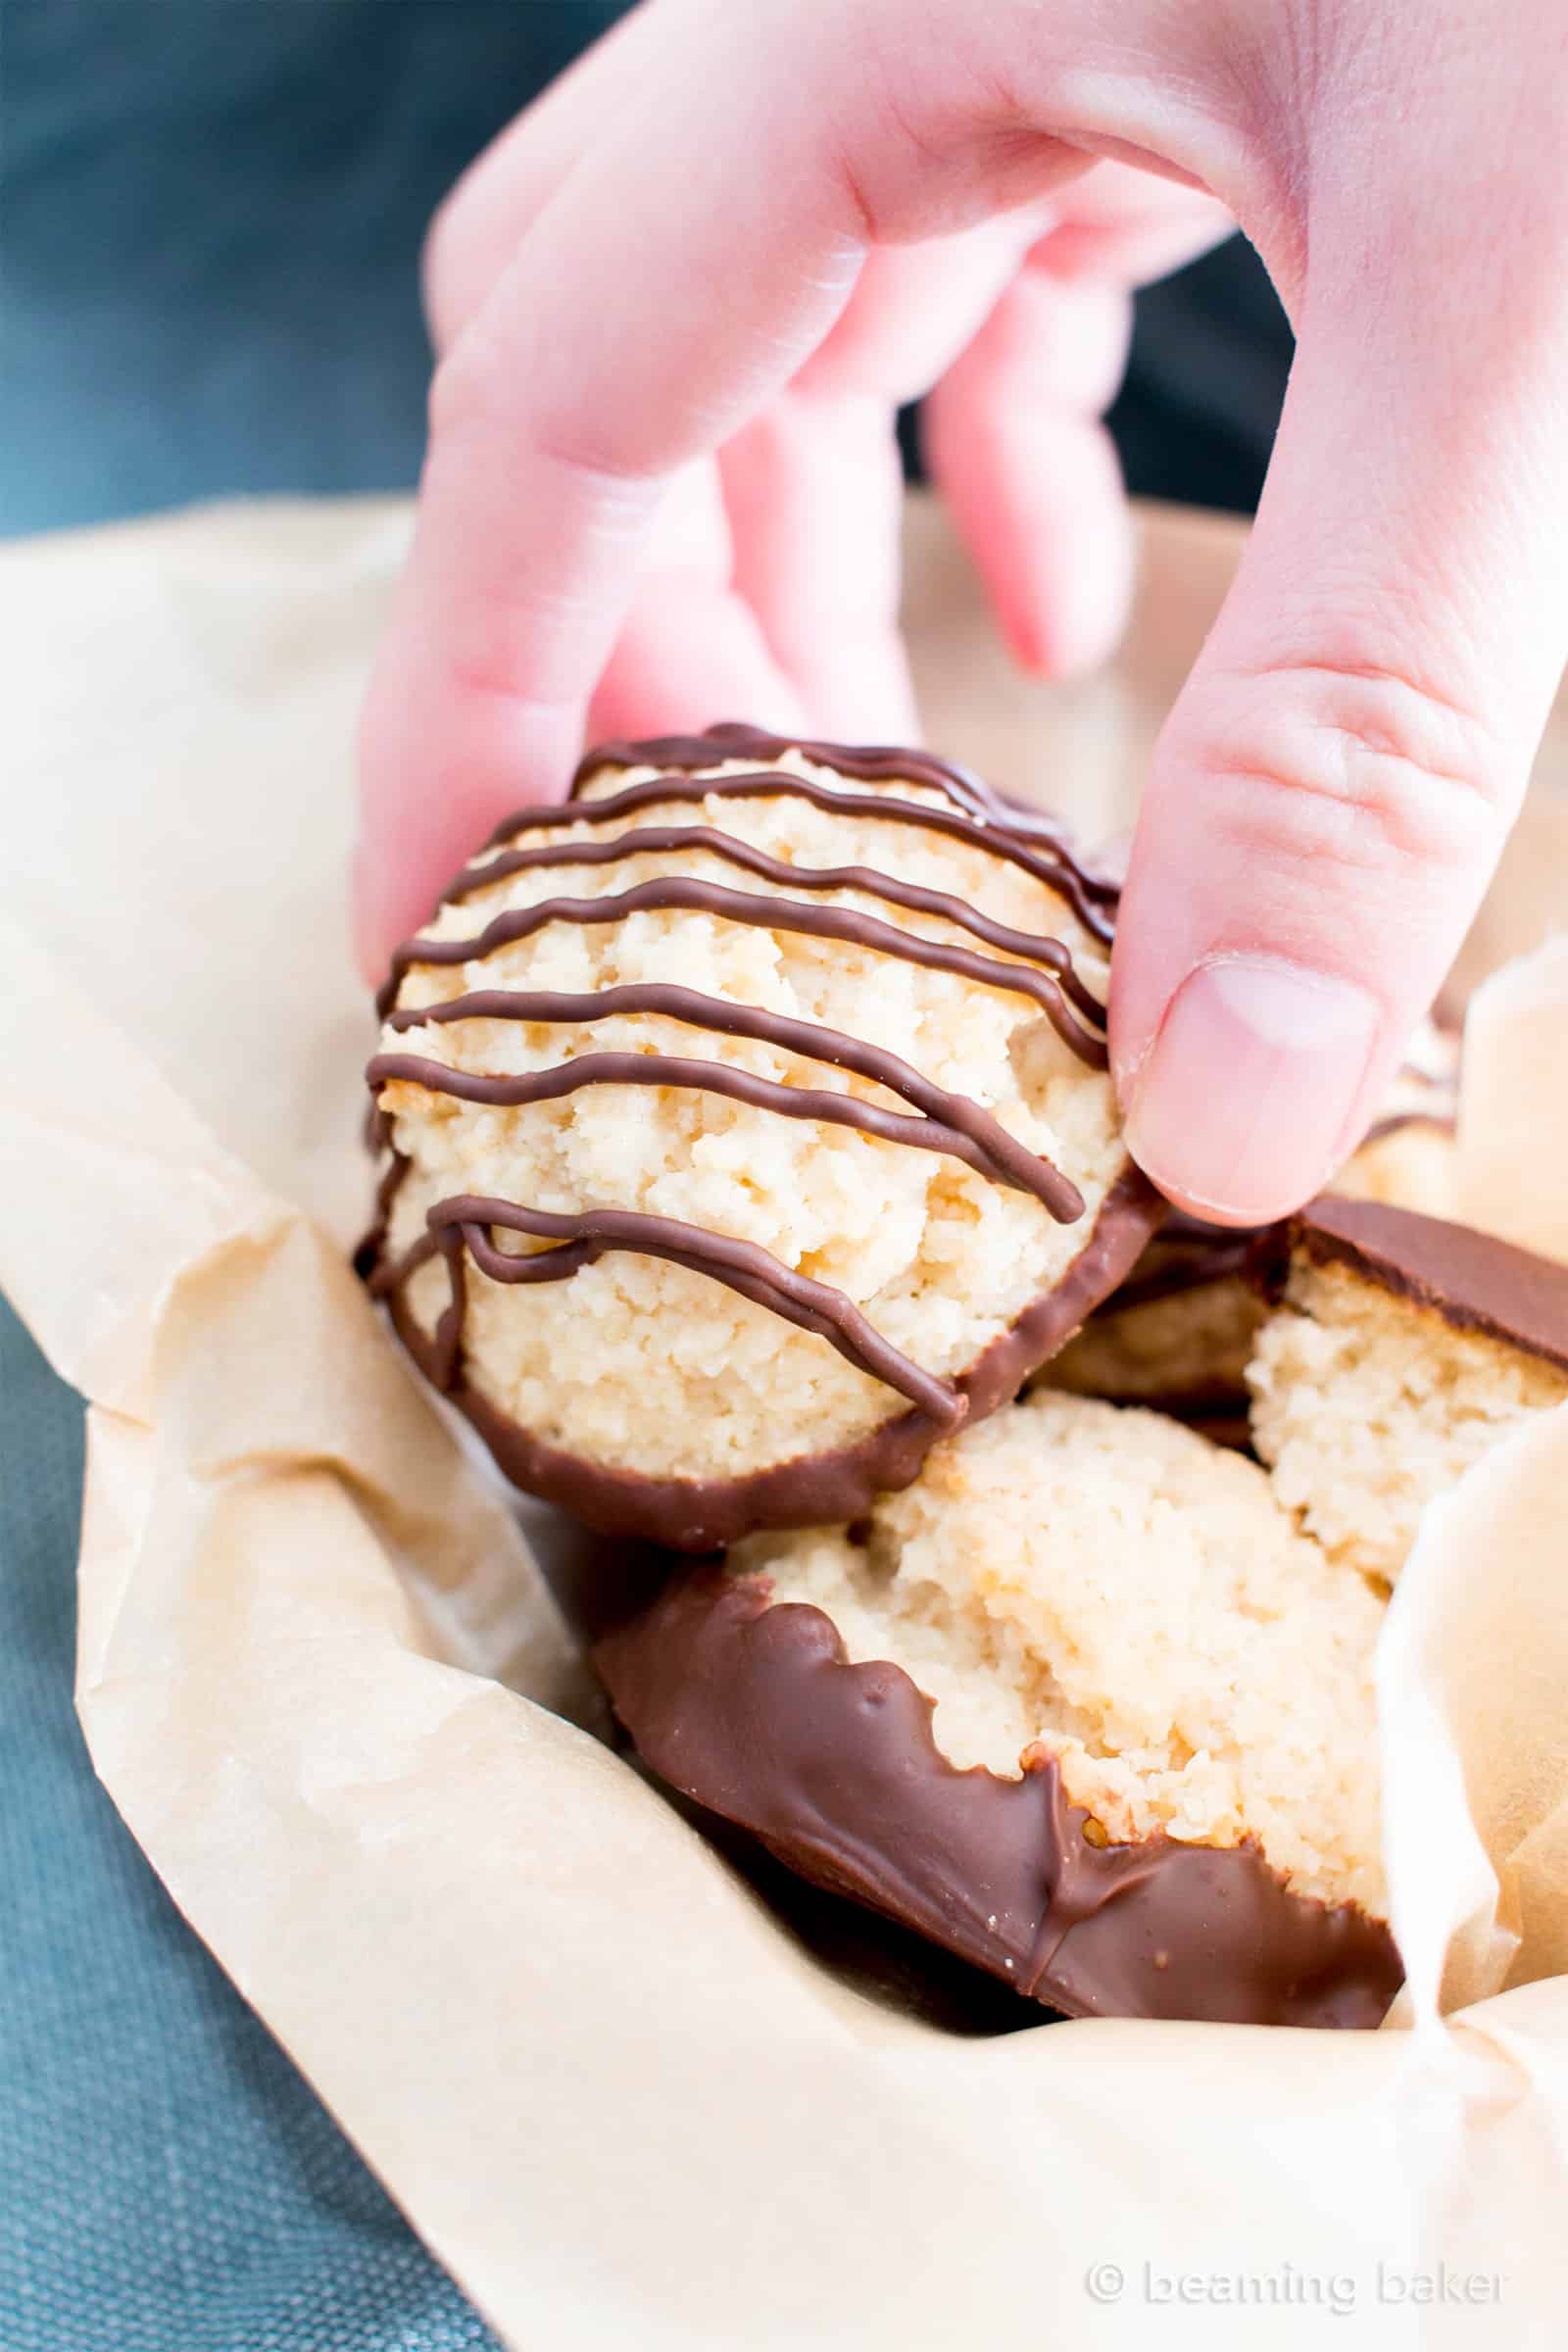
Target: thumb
1330	794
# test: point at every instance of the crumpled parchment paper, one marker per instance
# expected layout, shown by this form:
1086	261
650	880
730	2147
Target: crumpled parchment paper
325	1683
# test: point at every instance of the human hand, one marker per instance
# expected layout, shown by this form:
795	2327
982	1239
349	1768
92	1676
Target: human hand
676	303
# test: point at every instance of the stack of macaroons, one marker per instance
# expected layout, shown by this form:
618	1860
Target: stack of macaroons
1179	1332
1091	1702
750	1144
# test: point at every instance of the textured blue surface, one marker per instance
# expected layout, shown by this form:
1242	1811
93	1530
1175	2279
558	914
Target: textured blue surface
213	212
167	2181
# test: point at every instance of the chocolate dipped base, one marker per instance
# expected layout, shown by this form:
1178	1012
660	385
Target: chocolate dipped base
699	1515
755	1711
1470	1280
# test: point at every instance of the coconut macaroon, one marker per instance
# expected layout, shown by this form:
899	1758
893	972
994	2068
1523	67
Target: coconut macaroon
1402	1350
748	1129
1180	1331
1108	1585
1082	1703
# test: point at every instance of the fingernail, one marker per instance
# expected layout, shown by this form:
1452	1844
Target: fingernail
1245	1104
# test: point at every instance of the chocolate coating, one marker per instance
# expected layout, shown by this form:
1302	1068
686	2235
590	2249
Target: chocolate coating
1394	1122
686	1514
1185	1258
1185	1255
754	1710
1471	1280
1188	1254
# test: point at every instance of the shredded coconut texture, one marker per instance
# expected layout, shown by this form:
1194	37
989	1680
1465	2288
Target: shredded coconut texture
1366	1406
1102	1585
645	1366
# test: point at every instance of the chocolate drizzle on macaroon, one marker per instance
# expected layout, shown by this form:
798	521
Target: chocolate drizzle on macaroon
1037	967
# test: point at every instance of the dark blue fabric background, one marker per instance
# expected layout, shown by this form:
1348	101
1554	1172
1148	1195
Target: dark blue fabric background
167	2181
209	223
212	215
210	220
207	266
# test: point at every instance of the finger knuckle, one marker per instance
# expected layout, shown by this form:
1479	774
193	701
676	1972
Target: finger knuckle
1363	766
478	416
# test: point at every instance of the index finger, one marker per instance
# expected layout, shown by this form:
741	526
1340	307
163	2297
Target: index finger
671	286
654	302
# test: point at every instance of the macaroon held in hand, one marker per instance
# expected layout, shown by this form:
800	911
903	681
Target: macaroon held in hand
676	304
655	1134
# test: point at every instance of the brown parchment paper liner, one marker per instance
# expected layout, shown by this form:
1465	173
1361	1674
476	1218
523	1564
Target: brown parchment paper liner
317	1662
